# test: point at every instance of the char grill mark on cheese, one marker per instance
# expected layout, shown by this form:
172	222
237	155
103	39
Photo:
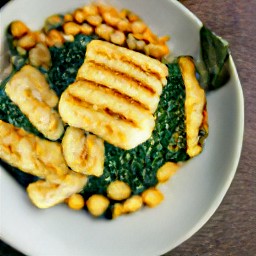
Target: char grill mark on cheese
102	99
41	158
111	128
114	54
108	70
120	82
84	153
115	94
29	90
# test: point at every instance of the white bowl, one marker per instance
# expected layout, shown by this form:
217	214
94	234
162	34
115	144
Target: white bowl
191	196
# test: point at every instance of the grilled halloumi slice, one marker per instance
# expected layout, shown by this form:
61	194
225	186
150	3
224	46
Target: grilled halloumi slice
111	116
29	90
130	73
115	94
43	159
45	194
194	105
83	153
31	154
127	61
121	83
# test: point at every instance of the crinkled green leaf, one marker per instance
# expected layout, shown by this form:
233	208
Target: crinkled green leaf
215	53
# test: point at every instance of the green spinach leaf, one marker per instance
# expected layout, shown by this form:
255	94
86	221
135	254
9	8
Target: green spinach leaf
66	61
215	53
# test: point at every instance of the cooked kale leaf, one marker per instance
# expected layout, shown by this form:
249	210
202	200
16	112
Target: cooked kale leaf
138	166
215	53
66	61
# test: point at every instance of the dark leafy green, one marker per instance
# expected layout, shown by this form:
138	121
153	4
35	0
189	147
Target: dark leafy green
138	166
66	61
215	54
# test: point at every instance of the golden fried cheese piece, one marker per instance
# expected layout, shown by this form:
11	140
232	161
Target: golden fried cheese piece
109	115
29	90
45	194
115	95
131	73
194	105
31	154
43	159
83	153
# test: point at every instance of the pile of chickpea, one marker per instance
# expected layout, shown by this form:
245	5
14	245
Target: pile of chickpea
123	28
121	192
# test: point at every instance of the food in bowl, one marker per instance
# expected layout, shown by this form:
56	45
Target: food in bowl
125	121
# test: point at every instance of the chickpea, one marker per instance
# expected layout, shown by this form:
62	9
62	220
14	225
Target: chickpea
79	16
132	204
68	38
90	10
104	31
27	42
138	27
163	39
117	210
156	50
140	45
111	19
94	20
166	171
118	190
18	29
54	37
123	13
123	25
106	8
117	37
40	56
40	37
97	204
147	36
131	42
86	29
71	28
75	202
152	197
68	17
132	17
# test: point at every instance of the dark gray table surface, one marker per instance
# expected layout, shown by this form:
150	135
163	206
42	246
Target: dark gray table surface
232	229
